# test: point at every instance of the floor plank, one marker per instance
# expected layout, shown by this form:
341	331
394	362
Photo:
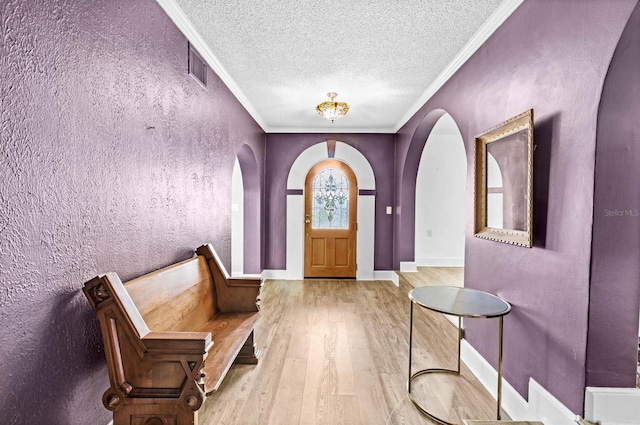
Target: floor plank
336	352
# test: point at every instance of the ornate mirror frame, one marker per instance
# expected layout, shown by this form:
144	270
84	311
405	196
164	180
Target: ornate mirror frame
504	182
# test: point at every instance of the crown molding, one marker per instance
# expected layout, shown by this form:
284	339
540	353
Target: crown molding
177	15
493	23
332	130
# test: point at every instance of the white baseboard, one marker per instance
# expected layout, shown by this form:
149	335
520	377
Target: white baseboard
387	275
408	266
512	402
542	405
275	274
110	422
612	406
365	275
440	262
454	320
377	275
546	408
635	422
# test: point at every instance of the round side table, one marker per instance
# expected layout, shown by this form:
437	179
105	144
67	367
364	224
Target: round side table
461	302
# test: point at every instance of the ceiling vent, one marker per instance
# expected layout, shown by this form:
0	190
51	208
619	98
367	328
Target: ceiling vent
197	66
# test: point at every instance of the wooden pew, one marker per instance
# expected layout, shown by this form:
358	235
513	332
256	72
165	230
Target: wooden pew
171	336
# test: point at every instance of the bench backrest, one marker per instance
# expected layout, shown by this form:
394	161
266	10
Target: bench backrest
180	297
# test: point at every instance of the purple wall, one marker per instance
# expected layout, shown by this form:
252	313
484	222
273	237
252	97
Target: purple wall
112	159
551	56
615	262
282	151
253	217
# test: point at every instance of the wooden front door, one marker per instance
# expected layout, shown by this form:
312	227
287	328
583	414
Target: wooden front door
331	197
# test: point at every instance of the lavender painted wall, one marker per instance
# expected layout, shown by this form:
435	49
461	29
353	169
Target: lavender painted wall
551	56
282	151
112	158
615	262
253	217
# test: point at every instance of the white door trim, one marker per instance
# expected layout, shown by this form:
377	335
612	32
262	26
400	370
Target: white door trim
295	208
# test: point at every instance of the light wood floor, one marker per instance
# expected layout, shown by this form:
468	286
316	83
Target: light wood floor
336	352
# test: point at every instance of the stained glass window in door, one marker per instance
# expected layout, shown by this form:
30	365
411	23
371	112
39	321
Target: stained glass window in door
330	200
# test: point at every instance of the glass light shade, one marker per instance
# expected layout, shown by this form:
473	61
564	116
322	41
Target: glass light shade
331	109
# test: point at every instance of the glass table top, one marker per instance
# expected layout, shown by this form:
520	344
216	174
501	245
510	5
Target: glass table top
458	301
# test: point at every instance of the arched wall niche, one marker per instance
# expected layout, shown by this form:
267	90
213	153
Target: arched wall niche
404	246
295	207
252	230
440	197
614	291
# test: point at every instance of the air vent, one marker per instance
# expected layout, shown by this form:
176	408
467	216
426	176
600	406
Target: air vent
197	66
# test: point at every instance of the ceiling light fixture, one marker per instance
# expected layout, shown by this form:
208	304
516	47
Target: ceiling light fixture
331	109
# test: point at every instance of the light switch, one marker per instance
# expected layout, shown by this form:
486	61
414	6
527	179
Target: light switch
389	210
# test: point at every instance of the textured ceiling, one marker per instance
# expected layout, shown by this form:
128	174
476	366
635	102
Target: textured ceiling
385	59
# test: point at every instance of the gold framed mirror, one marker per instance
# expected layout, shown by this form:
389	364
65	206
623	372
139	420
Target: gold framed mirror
504	182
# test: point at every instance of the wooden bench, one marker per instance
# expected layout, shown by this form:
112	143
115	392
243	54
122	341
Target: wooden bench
171	336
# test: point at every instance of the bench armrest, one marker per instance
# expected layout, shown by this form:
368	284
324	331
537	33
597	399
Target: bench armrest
233	294
179	343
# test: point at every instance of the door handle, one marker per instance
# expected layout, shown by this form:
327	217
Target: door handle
307	218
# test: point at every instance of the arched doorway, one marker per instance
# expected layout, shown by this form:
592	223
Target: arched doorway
331	206
295	207
440	203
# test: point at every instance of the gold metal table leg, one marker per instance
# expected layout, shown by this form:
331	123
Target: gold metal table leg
455	372
500	332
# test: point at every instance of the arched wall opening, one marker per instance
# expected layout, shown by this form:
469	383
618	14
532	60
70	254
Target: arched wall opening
295	207
440	201
237	220
405	227
404	241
